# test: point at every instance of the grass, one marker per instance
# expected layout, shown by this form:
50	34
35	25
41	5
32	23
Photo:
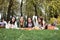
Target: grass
14	34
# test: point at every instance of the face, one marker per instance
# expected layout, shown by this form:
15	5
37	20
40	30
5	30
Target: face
21	19
29	20
13	19
2	19
39	20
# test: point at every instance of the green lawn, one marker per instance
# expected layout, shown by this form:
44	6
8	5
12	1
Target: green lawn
14	34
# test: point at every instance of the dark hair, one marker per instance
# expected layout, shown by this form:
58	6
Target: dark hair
53	24
41	18
41	21
12	22
31	22
2	19
20	22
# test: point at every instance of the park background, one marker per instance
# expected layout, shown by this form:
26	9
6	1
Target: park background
49	9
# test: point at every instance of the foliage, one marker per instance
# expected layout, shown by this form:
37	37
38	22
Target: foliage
58	19
45	8
52	20
55	19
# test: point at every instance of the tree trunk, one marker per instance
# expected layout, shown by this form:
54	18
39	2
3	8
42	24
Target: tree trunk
35	9
9	10
21	8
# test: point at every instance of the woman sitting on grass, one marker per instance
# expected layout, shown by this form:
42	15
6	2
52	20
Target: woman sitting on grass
30	23
12	23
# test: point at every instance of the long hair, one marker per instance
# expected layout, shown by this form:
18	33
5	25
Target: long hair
20	22
41	20
20	18
31	22
11	21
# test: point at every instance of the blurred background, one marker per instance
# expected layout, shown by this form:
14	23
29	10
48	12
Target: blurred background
49	9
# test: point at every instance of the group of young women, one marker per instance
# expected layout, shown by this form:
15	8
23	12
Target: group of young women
25	23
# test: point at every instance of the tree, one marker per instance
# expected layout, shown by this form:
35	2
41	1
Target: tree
9	10
13	5
21	7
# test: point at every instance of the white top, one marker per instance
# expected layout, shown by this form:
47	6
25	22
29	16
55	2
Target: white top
38	25
2	23
11	25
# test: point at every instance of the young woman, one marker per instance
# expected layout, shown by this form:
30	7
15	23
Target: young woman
52	27
30	23
3	23
40	23
21	22
12	23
